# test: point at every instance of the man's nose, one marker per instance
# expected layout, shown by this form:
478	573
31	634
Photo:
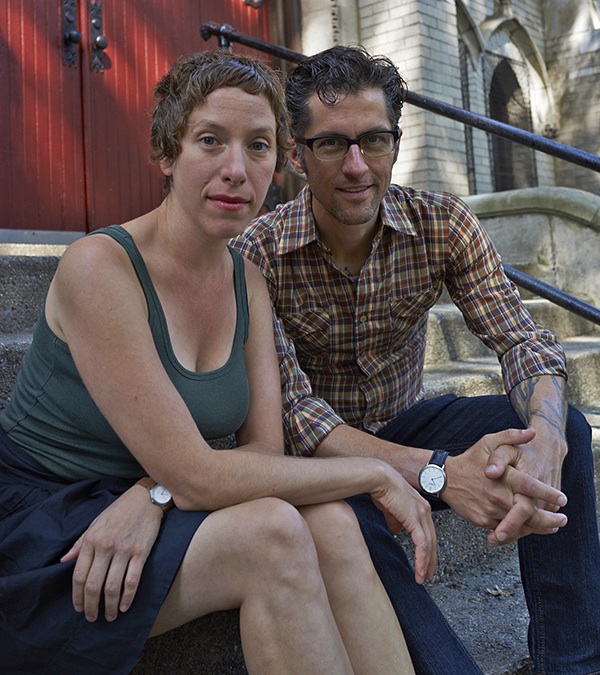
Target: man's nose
354	160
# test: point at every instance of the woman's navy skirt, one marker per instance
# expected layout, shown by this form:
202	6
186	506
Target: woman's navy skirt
40	519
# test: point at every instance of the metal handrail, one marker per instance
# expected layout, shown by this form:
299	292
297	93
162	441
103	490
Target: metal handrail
555	295
227	34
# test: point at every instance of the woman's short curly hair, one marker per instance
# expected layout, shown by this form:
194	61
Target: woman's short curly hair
192	79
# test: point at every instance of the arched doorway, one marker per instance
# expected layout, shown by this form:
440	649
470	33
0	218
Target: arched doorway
513	163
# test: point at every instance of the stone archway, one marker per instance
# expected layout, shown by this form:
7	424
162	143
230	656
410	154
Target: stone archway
513	164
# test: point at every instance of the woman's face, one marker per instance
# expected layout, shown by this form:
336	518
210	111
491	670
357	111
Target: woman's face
226	164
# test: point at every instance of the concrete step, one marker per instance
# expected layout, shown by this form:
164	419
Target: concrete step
477	376
12	348
24	282
449	339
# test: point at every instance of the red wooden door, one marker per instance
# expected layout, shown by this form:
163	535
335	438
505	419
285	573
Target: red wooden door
74	141
41	150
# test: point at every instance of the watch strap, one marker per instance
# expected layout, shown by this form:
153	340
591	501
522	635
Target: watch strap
439	457
146	482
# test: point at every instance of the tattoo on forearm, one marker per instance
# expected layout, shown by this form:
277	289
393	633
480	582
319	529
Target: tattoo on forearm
553	409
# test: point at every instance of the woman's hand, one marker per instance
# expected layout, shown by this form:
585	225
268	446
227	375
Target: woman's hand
404	508
112	552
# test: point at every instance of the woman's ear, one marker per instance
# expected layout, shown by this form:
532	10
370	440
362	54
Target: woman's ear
166	166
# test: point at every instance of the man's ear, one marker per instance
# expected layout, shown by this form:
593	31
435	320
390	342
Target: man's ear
296	159
397	148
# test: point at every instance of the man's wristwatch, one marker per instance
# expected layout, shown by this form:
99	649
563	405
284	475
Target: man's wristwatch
159	494
432	477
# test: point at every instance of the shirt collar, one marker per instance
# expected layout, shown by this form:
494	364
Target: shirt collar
395	211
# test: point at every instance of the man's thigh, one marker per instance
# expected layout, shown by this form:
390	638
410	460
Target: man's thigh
450	422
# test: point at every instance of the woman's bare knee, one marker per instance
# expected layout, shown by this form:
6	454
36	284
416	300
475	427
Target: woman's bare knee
257	548
338	538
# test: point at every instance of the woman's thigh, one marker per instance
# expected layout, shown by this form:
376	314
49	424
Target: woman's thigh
250	548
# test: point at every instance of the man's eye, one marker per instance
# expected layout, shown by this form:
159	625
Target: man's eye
330	143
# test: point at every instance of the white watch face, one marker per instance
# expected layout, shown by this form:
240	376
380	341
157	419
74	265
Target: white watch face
160	494
432	479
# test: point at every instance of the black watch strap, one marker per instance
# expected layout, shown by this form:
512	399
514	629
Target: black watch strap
439	457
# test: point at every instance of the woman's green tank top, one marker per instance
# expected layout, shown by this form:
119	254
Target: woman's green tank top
52	416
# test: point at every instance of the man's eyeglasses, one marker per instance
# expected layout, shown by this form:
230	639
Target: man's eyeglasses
372	144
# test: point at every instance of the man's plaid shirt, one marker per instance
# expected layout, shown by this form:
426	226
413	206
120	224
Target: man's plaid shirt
352	350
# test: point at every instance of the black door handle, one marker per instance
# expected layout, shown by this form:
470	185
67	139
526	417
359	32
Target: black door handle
71	34
98	41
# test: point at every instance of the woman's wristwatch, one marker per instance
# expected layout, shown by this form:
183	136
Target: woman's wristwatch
159	494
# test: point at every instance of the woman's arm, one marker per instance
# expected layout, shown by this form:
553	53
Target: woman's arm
262	430
96	305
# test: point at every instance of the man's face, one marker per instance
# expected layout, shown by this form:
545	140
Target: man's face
347	191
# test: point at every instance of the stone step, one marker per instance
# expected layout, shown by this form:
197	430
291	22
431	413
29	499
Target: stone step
12	349
24	282
481	375
449	339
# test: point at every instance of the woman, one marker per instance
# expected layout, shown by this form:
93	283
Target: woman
155	337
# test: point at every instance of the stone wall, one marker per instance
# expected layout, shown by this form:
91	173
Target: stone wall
557	41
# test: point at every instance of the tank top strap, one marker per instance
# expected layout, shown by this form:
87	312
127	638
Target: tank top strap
120	235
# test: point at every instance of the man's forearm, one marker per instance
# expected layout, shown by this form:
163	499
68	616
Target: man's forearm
347	441
541	403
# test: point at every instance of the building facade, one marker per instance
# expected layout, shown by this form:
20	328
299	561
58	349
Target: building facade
534	64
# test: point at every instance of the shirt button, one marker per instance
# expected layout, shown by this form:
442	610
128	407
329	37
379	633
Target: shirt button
363	319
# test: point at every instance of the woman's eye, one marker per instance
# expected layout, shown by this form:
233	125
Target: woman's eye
208	141
260	146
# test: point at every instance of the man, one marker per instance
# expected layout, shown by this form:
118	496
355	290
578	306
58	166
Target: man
353	265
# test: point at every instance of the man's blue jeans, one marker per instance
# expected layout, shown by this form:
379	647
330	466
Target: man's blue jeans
560	572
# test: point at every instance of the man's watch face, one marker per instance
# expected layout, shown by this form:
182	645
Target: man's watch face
432	479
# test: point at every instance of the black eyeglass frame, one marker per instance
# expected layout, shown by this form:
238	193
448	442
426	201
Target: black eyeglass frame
309	142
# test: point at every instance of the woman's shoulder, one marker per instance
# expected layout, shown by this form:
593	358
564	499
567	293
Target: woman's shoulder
254	277
96	258
91	268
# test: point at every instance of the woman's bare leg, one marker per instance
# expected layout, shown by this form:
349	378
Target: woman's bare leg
260	557
363	612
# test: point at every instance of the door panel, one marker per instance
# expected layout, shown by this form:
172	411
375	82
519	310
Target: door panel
41	163
75	139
